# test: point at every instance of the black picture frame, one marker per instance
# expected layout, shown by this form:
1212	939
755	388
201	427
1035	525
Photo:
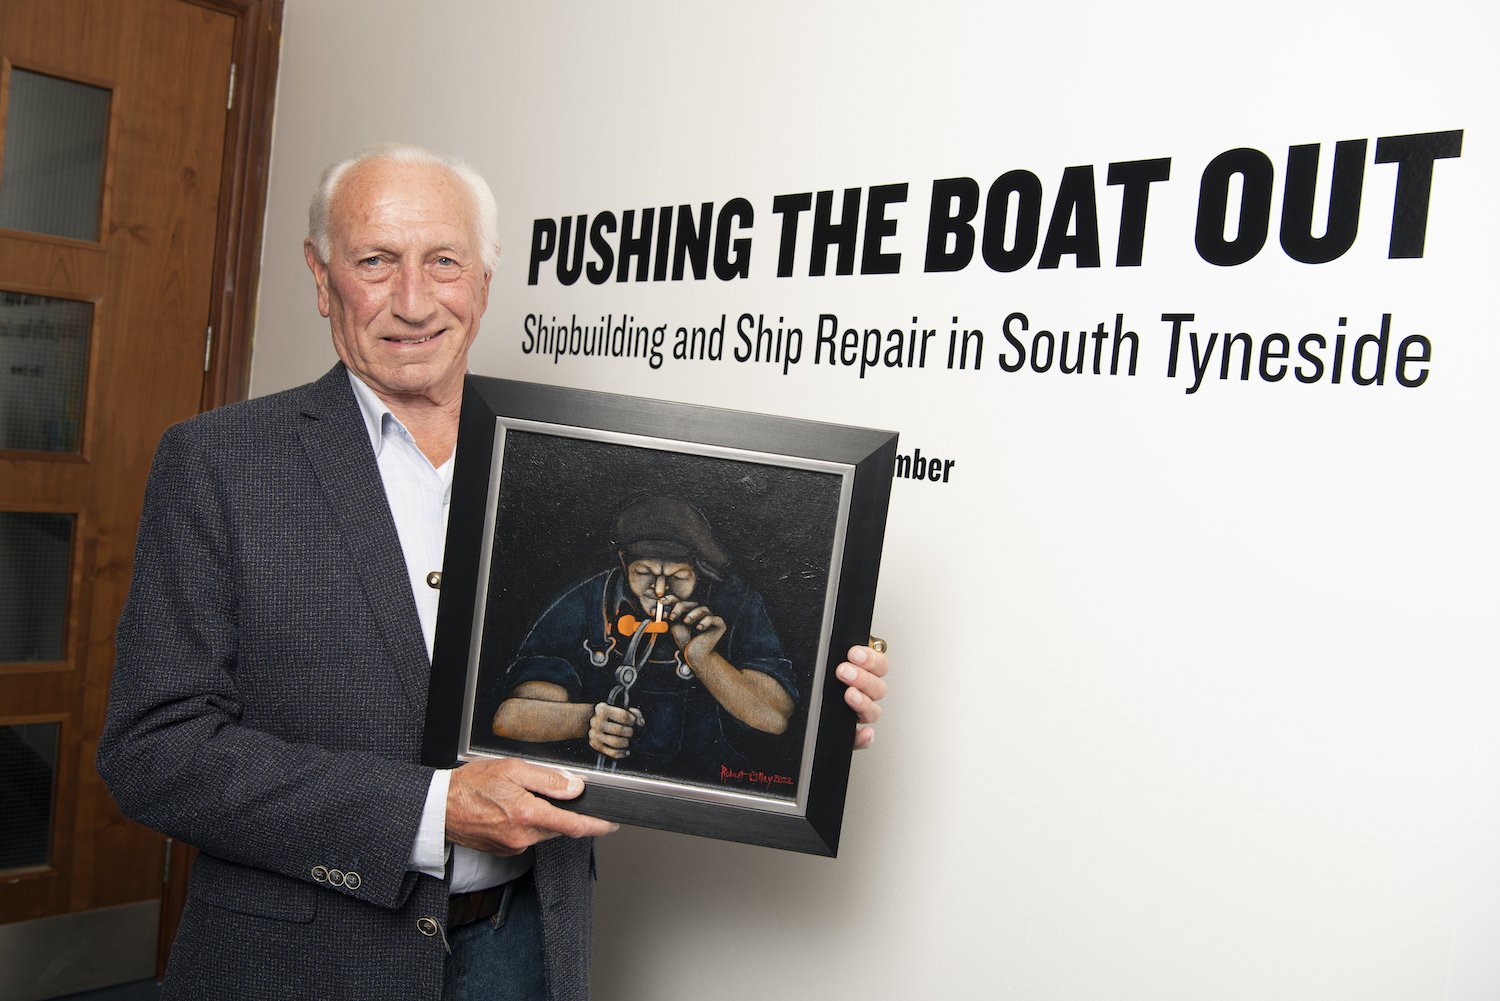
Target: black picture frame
542	474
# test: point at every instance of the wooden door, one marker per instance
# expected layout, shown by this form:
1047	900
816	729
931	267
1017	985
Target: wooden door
114	123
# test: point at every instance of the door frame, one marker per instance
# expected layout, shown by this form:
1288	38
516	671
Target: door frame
242	198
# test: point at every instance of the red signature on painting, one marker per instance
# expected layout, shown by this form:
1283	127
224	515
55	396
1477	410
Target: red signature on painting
752	776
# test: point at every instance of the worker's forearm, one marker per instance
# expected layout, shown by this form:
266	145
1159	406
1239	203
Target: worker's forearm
542	720
752	697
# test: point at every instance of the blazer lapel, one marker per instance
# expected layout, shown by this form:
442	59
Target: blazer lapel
338	447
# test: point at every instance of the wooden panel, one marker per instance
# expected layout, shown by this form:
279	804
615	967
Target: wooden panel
40	265
151	278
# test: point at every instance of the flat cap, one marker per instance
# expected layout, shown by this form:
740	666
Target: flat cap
669	527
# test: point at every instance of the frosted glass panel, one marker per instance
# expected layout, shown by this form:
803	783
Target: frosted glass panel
44	350
28	762
36	550
52	176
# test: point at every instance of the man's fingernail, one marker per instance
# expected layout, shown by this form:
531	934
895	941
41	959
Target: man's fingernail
847	673
858	655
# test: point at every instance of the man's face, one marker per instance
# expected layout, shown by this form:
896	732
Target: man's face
651	579
405	284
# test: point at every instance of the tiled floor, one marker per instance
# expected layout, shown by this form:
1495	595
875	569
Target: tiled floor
144	990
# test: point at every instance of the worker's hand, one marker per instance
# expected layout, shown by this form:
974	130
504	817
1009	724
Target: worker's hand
496	806
611	729
695	627
864	672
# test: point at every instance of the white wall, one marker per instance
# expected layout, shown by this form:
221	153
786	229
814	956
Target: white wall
1196	692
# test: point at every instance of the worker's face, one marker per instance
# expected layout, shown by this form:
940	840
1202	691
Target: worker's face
652	580
405	284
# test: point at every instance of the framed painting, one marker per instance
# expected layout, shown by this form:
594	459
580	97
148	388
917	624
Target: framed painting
654	596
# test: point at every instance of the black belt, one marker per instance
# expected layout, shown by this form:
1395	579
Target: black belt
466	908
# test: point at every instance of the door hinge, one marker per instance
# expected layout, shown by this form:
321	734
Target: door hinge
208	347
166	861
232	68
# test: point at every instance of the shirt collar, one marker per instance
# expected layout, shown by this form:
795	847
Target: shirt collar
372	409
615	595
375	414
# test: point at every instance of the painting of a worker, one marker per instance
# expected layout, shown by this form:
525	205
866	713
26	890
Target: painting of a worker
665	663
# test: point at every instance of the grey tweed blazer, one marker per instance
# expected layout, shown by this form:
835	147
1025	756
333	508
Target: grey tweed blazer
267	706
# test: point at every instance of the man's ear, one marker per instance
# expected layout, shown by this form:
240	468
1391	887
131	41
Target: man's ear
320	275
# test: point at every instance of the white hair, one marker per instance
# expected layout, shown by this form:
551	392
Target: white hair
486	223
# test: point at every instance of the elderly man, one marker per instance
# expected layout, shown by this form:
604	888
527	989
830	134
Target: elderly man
268	698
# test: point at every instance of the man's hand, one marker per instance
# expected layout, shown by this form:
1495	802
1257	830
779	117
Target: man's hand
864	672
611	728
495	806
695	627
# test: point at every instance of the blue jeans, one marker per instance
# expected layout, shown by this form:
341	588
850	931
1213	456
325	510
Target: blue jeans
499	958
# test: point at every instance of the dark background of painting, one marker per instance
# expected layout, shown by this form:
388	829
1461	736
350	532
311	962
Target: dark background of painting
554	527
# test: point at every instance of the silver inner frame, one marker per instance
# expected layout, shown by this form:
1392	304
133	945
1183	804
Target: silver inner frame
796	806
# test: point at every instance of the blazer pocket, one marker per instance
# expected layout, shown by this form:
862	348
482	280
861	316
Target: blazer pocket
246	890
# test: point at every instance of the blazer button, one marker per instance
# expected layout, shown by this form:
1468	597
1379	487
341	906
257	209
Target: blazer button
335	877
320	874
435	580
427	926
352	880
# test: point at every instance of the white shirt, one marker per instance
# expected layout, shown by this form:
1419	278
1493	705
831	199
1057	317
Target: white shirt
419	495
